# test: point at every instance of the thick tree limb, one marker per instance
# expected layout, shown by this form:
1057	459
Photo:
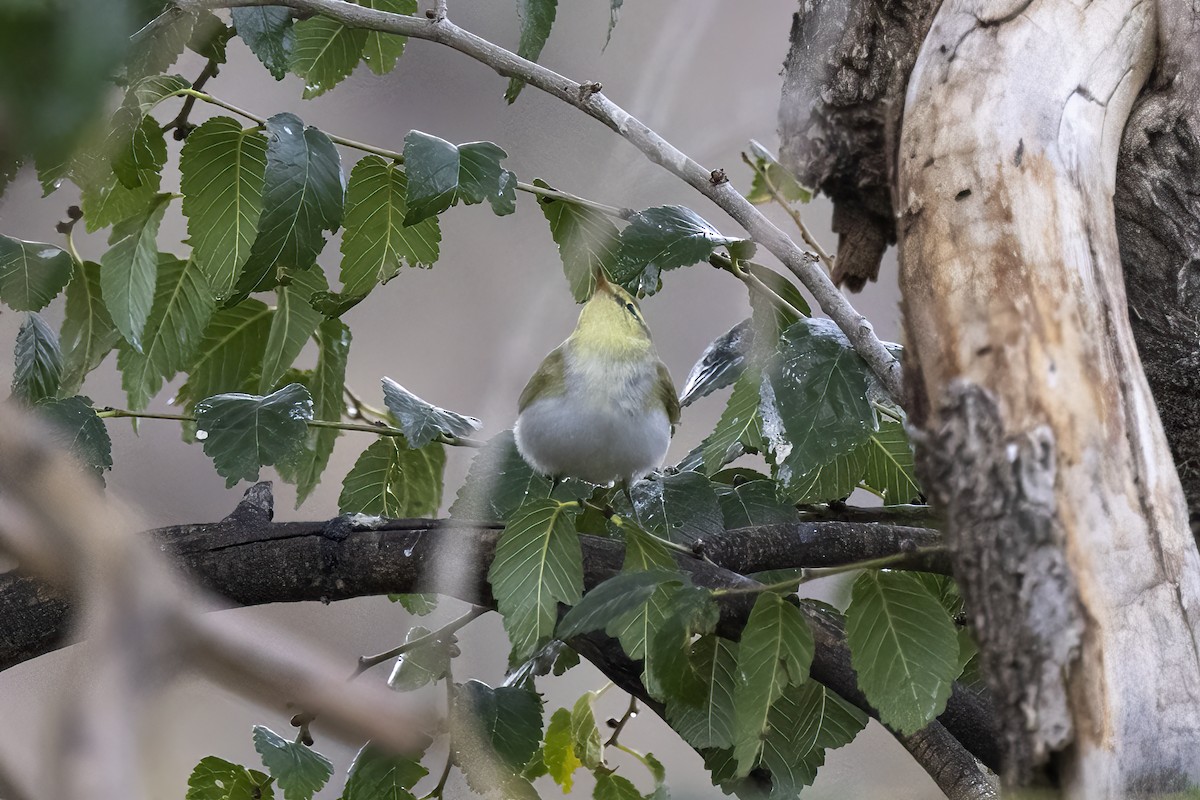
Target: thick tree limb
588	98
1069	526
250	560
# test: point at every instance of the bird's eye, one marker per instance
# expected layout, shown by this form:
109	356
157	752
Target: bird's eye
631	308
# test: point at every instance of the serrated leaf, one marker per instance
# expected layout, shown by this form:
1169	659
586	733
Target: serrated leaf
31	273
376	774
242	433
217	779
559	751
616	597
421	665
292	325
611	786
147	93
903	646
108	201
416	603
391	480
643	551
770	174
587	241
145	154
498	482
721	363
739	429
806	721
781	318
210	36
669	673
709	723
441	175
585	735
832	481
325	52
267	31
814	399
181	310
38	362
889	468
158	45
230	355
538	564
537	16
327	387
302	197
129	271
755	503
775	653
382	50
661	239
681	507
376	242
76	427
222	170
299	770
423	422
494	733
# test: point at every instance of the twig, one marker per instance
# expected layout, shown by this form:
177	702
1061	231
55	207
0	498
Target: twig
366	662
753	283
781	201
593	103
620	724
813	573
180	124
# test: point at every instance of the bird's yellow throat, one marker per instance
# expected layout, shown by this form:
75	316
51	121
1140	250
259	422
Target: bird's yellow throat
611	326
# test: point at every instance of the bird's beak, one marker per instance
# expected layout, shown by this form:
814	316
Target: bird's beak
601	279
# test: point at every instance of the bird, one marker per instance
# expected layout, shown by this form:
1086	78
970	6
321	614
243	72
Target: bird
601	407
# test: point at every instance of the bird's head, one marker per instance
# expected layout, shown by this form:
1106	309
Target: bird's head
611	322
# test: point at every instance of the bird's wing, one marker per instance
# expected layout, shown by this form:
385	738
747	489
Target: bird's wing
549	373
666	392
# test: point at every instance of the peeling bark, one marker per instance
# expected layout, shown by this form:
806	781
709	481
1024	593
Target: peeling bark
1040	440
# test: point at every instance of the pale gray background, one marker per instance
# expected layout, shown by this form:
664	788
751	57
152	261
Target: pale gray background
467	333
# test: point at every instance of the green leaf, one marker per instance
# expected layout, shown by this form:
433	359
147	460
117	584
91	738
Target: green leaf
615	597
669	673
210	36
76	427
146	94
217	779
156	47
31	273
230	356
329	403
267	31
710	723
441	175
611	786
129	271
87	333
494	733
782	287
538	564
721	363
382	50
38	362
106	201
423	664
145	154
664	238
498	482
814	399
559	752
903	647
221	170
423	422
643	551
587	241
377	774
302	196
739	428
182	307
325	53
768	174
585	736
376	241
889	465
832	481
681	507
806	721
416	603
775	653
244	432
755	503
292	325
536	18
299	771
391	480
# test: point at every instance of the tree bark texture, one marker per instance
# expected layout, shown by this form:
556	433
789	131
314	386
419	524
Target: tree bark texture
1039	436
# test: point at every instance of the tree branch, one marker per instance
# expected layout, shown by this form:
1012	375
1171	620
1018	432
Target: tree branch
588	98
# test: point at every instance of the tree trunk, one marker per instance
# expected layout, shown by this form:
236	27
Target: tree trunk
1040	437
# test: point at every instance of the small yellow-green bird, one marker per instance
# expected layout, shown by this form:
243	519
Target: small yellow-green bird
601	407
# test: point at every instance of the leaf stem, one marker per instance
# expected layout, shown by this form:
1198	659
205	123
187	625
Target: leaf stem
813	573
620	522
366	662
753	282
